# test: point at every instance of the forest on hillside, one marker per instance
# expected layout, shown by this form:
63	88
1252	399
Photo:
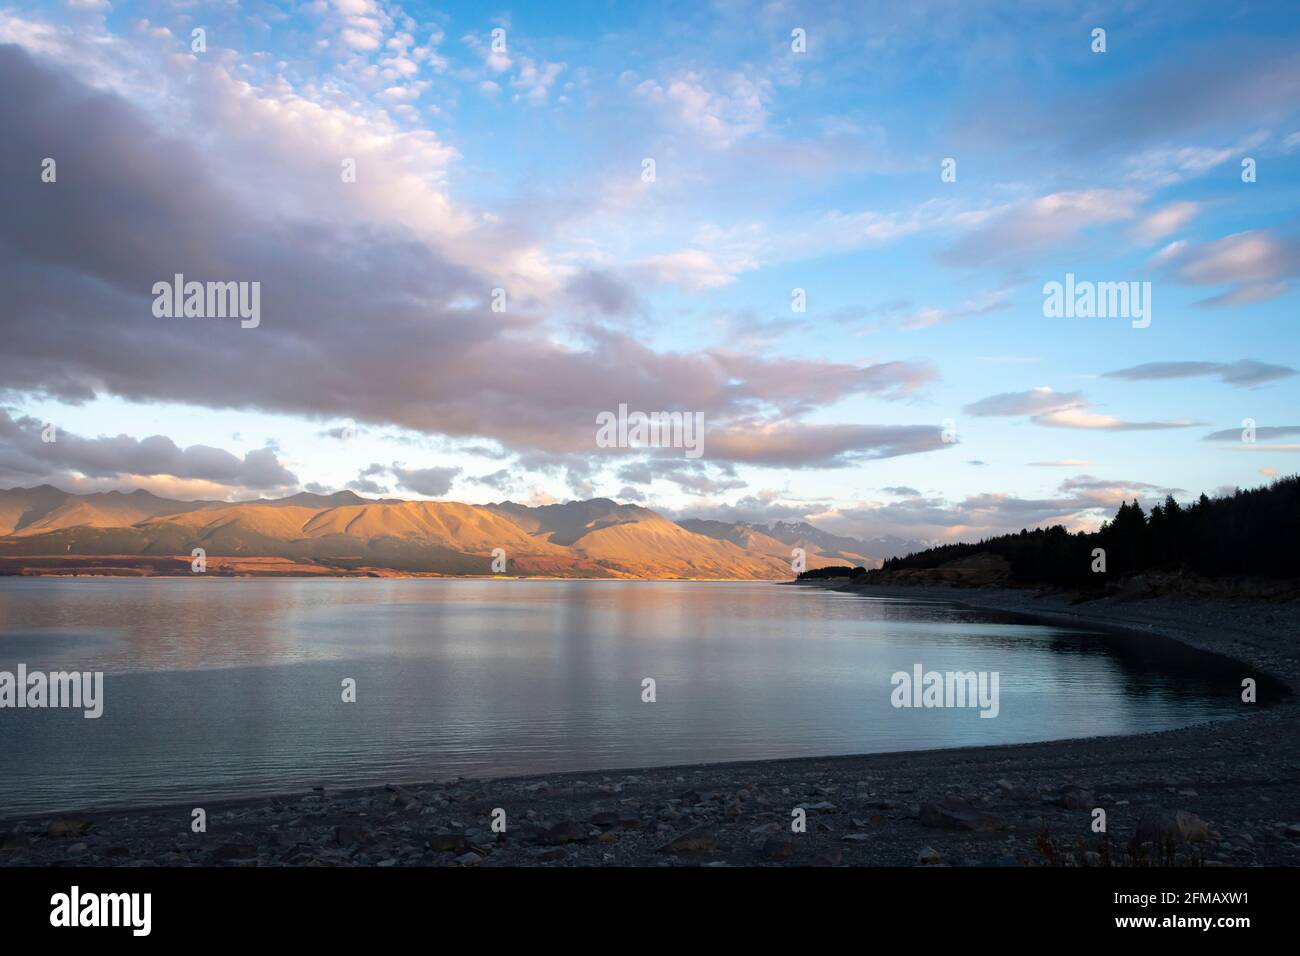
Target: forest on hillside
1254	532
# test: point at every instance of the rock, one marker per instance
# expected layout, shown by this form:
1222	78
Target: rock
468	859
350	836
855	837
779	848
231	852
1179	826
824	806
928	856
565	831
16	840
833	857
552	855
604	819
448	843
67	826
698	840
1072	798
402	796
954	814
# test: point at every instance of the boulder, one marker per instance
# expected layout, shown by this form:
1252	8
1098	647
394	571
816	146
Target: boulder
954	814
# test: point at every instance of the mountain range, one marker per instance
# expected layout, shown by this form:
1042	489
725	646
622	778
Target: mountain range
44	530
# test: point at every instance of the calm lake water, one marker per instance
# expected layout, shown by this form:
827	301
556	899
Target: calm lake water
217	688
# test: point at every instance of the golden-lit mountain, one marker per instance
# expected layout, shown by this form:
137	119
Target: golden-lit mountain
48	531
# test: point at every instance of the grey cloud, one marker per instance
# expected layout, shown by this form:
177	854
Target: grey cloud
757	509
367	487
365	483
809	445
359	322
22	451
1082	501
1243	373
628	493
1028	227
602	291
1230	83
1053	409
1256	265
1032	402
434	482
502	480
691	476
342	432
1261	431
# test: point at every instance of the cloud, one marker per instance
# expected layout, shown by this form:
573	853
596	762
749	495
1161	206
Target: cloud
1261	431
534	80
1244	373
628	493
1164	221
690	476
1082	503
982	304
434	482
694	269
1033	402
1256	265
718	111
26	457
760	508
378	324
1164	166
603	292
808	445
902	491
1011	234
502	480
1223	83
1053	409
1081	418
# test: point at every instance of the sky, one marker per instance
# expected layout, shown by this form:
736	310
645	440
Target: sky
825	228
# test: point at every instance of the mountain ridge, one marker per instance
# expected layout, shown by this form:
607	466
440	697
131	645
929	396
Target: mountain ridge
44	530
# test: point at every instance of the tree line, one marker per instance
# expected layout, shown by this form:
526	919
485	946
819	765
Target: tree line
1253	532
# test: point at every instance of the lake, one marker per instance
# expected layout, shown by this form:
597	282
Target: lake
218	688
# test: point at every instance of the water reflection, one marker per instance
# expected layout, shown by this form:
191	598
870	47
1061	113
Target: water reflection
225	687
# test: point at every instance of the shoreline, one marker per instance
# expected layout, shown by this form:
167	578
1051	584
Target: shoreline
1234	782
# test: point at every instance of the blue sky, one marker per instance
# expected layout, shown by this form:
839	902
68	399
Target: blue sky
379	366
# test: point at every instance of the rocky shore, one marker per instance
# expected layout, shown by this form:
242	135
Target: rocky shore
1221	794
